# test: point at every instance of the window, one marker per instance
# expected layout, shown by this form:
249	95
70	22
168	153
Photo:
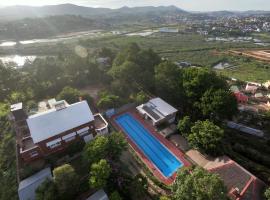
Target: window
33	154
83	131
53	144
69	137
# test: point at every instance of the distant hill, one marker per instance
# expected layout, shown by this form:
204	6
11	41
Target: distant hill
20	12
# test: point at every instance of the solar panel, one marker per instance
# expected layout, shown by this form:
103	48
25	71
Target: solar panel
151	112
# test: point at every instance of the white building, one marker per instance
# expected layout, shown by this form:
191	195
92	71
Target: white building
158	111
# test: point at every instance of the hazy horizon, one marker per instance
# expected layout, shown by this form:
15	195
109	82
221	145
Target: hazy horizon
189	5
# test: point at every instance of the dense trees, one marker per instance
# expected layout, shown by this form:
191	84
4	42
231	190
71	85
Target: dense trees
134	64
8	189
63	186
109	147
65	179
168	79
198	184
108	100
71	95
206	136
218	104
30	28
99	173
184	126
115	196
47	191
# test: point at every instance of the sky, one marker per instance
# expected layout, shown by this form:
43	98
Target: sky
190	5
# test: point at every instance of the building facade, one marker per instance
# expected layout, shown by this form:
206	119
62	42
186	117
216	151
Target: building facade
55	128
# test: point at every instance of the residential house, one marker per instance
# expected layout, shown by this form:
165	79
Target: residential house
27	187
241	184
158	111
54	129
251	88
240	97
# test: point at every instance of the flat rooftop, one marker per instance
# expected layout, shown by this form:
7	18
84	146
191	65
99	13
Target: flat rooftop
100	121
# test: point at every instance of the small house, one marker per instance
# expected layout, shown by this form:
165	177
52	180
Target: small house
240	97
158	111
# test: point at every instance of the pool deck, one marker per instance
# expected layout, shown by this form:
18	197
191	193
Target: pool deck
165	142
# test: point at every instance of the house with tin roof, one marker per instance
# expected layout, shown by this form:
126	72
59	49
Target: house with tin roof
55	127
158	111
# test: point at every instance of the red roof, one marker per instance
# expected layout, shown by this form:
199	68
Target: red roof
241	97
236	178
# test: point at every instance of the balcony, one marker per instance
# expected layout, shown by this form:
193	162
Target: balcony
27	144
101	125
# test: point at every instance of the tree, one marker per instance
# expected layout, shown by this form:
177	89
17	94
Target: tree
65	179
125	72
107	101
141	97
184	126
206	136
196	81
96	149
99	173
267	193
47	191
218	104
139	187
164	198
71	95
109	147
198	184
115	196
136	65
117	144
168	82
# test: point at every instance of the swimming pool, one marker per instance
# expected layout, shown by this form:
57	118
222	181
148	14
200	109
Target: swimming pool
161	157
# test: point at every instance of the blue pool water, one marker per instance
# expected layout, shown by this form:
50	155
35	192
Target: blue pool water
162	158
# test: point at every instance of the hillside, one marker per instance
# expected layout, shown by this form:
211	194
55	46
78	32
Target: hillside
20	12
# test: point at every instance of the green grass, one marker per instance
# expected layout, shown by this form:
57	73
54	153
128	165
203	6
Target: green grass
176	47
248	70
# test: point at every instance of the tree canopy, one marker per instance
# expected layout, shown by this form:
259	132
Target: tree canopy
184	126
168	82
206	136
65	179
198	184
102	147
99	173
71	95
134	64
47	191
218	104
115	196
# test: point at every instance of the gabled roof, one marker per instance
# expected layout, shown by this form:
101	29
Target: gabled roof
28	186
53	122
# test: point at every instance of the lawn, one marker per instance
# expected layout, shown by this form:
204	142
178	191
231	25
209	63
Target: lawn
247	69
